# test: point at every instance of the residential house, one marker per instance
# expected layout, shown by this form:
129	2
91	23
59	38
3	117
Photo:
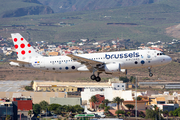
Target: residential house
100	99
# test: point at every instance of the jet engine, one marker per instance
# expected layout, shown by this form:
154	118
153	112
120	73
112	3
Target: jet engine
112	67
14	64
115	69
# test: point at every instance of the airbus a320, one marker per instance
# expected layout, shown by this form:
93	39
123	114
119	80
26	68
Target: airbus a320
115	63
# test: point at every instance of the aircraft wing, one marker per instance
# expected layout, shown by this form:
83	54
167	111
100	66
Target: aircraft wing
88	62
21	62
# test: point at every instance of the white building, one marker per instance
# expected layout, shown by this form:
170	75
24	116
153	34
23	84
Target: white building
168	107
96	43
119	86
109	93
51	47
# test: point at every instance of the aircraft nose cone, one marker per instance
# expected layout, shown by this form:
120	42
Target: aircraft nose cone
169	59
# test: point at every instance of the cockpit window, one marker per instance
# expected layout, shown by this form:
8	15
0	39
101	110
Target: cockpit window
160	54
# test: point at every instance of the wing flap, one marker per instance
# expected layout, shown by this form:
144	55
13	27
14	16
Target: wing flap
88	62
83	60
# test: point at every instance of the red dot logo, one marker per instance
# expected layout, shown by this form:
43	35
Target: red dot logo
22	39
22	45
15	39
16	52
29	45
29	51
22	52
16	46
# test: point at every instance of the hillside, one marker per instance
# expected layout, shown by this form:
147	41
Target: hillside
143	23
81	5
17	8
174	31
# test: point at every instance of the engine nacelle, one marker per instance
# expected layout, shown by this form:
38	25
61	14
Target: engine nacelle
112	68
115	69
14	64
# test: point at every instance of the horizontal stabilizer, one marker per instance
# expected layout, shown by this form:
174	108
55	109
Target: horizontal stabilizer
21	62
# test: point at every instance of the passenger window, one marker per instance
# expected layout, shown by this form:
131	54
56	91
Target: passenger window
160	53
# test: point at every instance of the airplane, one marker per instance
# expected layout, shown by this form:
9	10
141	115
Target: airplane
115	63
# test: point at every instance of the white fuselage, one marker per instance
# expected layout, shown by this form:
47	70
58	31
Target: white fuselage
127	59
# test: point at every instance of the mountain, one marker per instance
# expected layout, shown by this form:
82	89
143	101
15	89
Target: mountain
141	21
81	5
17	8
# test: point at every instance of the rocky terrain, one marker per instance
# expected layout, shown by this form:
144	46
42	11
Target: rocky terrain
174	31
81	5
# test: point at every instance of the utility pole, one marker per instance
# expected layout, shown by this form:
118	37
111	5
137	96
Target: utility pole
46	113
136	98
159	114
6	110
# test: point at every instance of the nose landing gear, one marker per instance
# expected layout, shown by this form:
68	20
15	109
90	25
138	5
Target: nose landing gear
150	74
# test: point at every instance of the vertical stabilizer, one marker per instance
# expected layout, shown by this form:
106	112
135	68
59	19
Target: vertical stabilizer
23	49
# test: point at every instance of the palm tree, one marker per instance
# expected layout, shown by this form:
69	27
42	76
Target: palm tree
155	108
107	108
129	113
171	113
129	106
8	117
119	112
121	101
166	112
118	100
106	101
139	98
30	113
44	105
102	106
94	99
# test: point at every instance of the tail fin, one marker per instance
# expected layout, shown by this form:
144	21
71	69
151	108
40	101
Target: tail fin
23	49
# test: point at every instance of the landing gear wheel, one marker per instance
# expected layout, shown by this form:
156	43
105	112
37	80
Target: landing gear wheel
150	74
93	77
98	79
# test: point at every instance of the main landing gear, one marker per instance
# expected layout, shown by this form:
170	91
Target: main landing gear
150	74
94	77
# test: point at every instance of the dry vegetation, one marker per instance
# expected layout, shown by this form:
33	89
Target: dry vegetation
167	73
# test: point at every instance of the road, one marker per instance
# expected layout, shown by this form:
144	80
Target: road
13	86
